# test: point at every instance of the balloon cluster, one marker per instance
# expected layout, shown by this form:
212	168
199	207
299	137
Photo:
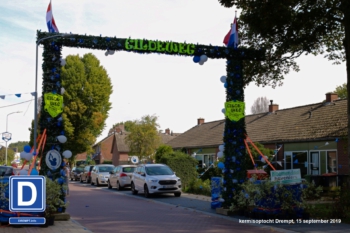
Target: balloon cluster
220	154
223	80
216	200
67	153
200	59
26	155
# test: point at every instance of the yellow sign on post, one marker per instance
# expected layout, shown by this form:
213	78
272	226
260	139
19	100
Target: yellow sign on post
234	110
53	104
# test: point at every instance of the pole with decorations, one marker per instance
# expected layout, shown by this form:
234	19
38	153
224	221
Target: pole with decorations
234	153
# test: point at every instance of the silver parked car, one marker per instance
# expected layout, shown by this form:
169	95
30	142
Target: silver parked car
120	177
100	174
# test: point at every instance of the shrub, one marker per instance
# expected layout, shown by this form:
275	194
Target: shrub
162	151
198	186
341	206
269	195
310	191
107	162
54	192
183	165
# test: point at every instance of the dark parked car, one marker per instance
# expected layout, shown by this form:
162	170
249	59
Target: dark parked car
7	171
86	174
75	173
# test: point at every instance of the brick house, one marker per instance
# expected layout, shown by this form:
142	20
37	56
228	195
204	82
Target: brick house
80	157
102	150
310	137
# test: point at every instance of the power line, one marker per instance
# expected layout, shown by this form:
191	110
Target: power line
15	104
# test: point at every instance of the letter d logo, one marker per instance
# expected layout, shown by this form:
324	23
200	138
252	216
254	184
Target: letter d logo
27	193
20	194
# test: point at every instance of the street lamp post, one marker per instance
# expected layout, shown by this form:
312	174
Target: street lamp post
36	86
7	136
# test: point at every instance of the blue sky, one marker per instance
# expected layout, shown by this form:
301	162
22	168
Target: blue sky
174	88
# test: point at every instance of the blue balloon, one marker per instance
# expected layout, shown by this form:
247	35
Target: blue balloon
221	165
63	172
34	172
60	180
27	148
196	59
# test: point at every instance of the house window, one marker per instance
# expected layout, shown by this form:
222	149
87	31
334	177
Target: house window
323	161
314	162
332	162
296	160
205	160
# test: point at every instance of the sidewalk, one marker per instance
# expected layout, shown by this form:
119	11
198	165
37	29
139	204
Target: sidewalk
69	226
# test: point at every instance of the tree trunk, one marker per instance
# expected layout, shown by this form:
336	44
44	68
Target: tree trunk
346	43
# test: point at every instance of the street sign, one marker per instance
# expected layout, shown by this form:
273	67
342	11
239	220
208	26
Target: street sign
27	193
290	176
6	136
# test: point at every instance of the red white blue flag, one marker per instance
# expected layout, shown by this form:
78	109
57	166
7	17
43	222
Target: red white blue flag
231	39
50	21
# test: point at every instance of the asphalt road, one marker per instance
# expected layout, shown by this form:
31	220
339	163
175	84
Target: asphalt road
103	210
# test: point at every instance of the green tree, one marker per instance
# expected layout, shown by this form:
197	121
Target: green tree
143	139
86	101
287	29
10	155
18	145
342	91
162	151
266	151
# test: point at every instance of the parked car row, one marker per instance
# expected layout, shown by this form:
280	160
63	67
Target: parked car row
144	178
75	173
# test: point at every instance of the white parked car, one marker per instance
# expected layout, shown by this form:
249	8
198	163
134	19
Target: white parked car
100	174
155	178
120	177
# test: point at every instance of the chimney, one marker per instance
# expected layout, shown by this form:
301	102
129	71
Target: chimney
119	129
167	131
200	121
273	107
330	97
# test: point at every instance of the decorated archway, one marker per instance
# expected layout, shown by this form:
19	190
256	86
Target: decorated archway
234	170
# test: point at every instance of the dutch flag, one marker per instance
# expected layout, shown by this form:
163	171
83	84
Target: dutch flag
50	21
231	39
